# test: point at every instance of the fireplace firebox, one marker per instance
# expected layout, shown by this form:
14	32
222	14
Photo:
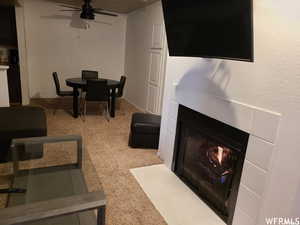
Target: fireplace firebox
209	157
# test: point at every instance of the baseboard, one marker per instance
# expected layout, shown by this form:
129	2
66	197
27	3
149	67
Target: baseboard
136	106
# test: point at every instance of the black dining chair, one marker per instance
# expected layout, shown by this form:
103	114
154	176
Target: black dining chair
89	74
97	91
120	89
59	92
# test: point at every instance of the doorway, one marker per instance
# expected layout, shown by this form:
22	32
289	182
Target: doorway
9	54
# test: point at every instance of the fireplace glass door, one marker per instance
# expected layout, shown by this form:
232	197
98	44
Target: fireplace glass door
209	165
209	157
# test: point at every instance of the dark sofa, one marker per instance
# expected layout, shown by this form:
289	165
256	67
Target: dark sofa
21	122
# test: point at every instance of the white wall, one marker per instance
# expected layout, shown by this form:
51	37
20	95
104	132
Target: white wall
272	83
56	41
138	44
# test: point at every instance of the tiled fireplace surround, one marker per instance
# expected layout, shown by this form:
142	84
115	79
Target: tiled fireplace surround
261	124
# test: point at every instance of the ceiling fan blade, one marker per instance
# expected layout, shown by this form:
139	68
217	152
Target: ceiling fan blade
70	10
71	7
105	13
10	2
57	17
102	22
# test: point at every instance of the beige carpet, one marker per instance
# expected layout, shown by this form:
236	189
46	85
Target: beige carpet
108	160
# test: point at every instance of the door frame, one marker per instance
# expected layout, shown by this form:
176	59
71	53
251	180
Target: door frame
22	47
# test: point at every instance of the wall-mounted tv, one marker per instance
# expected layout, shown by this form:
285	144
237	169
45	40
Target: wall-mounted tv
210	28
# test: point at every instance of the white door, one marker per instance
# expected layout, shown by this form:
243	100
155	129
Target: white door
156	71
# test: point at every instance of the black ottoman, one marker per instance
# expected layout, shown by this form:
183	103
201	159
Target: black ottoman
145	129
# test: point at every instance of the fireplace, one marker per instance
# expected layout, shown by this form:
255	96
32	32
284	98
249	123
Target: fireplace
209	157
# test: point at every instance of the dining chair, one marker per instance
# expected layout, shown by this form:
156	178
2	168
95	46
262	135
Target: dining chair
120	89
97	91
89	74
59	92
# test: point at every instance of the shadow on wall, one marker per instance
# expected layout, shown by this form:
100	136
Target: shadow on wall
203	88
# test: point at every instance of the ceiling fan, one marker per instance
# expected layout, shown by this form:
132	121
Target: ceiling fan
9	3
87	10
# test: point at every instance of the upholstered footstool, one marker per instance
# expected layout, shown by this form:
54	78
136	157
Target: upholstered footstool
145	129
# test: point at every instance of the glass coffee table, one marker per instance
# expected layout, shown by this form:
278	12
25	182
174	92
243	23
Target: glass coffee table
51	195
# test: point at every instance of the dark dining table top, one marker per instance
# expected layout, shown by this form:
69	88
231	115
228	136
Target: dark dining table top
78	82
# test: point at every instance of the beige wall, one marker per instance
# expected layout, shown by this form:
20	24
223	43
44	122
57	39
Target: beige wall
58	41
138	42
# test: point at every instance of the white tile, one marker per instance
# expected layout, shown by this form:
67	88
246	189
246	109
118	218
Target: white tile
173	109
248	202
172	198
172	125
259	152
241	218
168	150
233	114
172	90
162	144
243	117
254	178
265	124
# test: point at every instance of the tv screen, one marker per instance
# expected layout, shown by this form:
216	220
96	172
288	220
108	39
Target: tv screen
209	28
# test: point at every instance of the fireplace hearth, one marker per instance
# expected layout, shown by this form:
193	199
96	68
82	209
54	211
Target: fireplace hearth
209	157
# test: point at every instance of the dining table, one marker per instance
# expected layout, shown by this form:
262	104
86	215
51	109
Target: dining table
79	83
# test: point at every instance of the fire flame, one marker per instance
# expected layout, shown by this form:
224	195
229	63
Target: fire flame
220	154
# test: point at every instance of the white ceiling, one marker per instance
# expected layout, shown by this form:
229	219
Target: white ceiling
119	6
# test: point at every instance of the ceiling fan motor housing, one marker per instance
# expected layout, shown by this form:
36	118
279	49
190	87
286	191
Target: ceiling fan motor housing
87	16
87	12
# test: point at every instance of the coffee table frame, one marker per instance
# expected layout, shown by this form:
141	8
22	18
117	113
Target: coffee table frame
55	207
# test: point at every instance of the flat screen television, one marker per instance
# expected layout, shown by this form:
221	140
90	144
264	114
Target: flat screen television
210	28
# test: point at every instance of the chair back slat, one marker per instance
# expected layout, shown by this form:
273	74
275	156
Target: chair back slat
56	82
89	74
97	90
121	86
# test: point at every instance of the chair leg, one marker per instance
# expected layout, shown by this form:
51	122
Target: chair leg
81	105
81	100
107	112
84	111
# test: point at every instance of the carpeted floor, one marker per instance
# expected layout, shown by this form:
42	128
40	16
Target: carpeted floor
108	160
